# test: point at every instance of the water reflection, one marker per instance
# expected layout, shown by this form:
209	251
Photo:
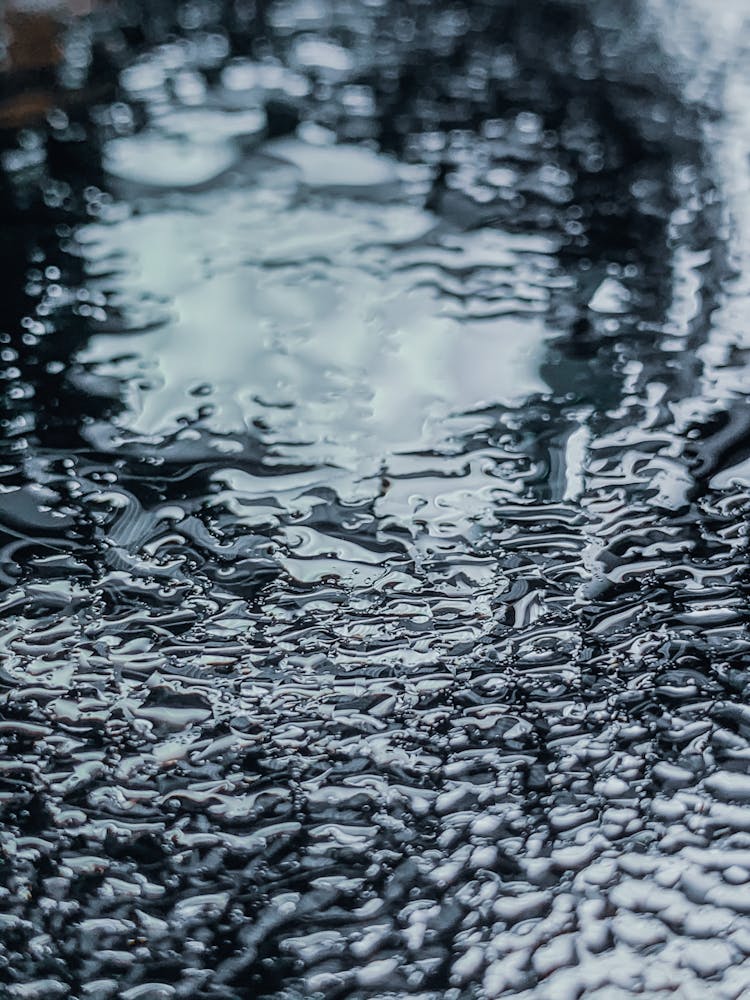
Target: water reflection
371	627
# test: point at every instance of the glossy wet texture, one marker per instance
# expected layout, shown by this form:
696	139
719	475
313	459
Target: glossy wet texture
375	483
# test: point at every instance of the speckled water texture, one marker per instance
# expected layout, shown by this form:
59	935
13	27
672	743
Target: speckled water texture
374	490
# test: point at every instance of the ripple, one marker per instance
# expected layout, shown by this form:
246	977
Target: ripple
373	508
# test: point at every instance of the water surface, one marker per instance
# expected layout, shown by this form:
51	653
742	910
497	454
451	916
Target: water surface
374	504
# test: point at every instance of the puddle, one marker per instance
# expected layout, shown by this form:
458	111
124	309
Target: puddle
373	501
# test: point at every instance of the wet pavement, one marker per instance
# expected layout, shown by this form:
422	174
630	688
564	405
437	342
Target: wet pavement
374	492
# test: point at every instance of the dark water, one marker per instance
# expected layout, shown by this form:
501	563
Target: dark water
375	478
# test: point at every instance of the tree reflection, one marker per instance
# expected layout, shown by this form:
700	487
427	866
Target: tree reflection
578	90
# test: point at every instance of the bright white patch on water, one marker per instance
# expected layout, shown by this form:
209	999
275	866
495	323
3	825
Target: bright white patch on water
576	451
312	52
610	297
163	161
210	125
738	475
335	166
319	320
244	79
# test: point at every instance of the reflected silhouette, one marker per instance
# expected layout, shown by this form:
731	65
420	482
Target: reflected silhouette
596	111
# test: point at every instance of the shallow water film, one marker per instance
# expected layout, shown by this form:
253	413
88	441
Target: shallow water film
374	490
